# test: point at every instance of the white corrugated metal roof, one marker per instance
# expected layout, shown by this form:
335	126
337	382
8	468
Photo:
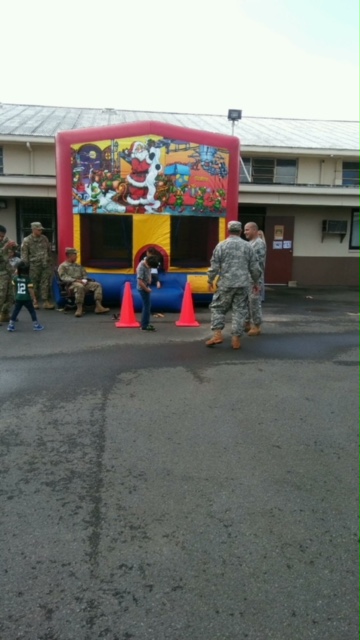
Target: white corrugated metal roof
42	121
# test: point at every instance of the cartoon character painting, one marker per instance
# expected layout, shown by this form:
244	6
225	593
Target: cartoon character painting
145	167
150	175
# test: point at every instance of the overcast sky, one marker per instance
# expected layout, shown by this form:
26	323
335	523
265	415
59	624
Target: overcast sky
284	58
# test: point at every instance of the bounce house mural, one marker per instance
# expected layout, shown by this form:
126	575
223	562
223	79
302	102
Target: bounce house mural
149	175
126	187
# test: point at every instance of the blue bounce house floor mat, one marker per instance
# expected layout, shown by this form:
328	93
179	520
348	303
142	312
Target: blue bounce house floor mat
168	298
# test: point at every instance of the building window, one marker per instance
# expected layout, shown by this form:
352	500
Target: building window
285	171
354	230
350	174
245	170
37	210
106	241
263	170
268	171
1	161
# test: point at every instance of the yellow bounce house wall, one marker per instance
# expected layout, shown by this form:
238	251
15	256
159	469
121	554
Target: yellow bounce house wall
149	230
155	230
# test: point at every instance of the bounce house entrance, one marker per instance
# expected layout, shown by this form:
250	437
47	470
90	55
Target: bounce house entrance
192	241
106	241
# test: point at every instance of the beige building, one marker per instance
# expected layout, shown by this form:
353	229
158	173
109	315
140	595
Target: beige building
299	181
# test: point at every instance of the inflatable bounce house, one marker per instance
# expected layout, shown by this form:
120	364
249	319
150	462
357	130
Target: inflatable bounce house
125	188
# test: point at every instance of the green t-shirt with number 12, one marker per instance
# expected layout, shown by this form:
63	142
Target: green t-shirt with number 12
22	284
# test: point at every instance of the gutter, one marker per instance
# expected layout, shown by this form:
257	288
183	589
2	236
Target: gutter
34	139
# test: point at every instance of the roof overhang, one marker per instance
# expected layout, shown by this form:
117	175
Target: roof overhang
28	138
300	151
298	195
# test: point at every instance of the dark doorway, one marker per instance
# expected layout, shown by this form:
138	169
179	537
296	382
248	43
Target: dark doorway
256	214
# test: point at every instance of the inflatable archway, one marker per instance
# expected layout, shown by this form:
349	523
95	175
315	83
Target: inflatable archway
126	187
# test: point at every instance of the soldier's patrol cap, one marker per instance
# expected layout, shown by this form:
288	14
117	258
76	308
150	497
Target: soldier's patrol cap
70	250
234	225
36	225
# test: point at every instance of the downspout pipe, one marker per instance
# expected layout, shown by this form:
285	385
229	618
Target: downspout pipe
30	150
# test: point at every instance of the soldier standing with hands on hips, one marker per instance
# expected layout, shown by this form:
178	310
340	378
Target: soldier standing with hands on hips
36	253
235	264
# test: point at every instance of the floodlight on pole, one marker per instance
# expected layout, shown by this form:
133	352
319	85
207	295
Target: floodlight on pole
234	115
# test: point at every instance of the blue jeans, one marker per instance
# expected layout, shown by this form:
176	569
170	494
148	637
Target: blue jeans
19	304
145	315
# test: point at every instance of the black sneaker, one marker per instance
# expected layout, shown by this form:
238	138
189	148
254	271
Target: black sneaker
148	328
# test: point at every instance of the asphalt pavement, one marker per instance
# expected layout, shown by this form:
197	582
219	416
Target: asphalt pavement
155	489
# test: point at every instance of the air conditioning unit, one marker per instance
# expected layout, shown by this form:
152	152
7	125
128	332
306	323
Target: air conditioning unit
334	226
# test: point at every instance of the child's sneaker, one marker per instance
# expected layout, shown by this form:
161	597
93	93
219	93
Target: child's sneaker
38	327
11	327
148	328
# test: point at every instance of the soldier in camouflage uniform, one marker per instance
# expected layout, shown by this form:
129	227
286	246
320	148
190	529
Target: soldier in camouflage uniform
234	262
6	275
36	252
254	314
75	275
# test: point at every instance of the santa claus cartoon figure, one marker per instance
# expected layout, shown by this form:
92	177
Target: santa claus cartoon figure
145	167
140	163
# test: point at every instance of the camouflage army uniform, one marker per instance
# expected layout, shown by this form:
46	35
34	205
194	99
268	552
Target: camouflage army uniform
234	262
36	252
6	286
254	313
71	271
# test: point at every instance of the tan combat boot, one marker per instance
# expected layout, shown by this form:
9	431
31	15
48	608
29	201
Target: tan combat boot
235	342
255	330
247	327
217	338
36	304
48	305
79	311
99	308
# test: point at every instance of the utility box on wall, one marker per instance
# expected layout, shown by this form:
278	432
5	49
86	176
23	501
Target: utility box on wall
334	227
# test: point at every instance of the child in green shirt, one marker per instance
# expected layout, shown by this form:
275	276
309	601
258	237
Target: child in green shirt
24	297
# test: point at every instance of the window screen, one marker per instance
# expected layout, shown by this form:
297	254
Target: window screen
350	174
106	241
193	240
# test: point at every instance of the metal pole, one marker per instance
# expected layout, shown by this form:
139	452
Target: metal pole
245	170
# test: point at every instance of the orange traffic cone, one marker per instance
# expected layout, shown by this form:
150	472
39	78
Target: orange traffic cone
187	315
127	318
